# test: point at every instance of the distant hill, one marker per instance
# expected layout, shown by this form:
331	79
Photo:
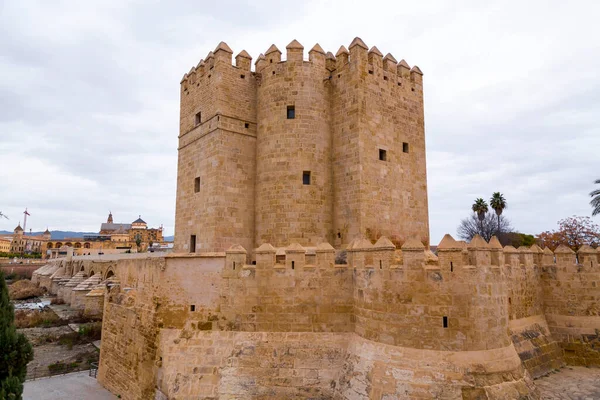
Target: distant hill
61	235
57	235
168	238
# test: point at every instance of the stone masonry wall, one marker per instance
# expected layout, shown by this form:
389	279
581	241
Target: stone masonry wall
297	326
571	292
287	210
538	349
217	145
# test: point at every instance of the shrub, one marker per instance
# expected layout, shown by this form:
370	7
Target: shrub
69	339
15	349
33	319
91	331
62	368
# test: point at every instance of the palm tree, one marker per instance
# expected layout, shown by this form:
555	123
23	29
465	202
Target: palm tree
498	203
595	195
481	208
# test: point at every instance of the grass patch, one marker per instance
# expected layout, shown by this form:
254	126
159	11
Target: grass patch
34	319
87	333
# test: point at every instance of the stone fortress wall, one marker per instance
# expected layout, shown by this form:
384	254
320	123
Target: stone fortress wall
357	128
403	323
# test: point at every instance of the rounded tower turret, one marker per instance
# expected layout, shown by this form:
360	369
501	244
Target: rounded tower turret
293	186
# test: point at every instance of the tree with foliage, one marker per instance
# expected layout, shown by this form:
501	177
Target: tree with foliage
573	232
595	195
498	204
138	241
15	349
516	239
480	208
485	228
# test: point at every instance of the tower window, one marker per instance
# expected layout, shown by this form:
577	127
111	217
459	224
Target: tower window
405	147
193	307
291	112
192	243
198	118
445	321
306	177
382	155
196	184
246	125
242	76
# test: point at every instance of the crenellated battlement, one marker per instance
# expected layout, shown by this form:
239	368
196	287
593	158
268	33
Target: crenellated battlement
271	63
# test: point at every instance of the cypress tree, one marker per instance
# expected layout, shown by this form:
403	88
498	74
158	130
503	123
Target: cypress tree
15	350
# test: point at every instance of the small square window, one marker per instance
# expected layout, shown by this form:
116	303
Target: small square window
405	147
382	155
198	118
291	112
306	177
197	185
193	308
242	76
246	125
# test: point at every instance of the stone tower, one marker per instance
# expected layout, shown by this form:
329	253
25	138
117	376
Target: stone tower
328	149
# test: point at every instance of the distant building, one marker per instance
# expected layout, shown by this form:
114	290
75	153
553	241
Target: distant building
27	244
5	244
112	238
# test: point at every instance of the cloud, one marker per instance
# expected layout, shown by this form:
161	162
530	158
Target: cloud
90	99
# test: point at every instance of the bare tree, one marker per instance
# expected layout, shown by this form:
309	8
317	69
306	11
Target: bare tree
486	228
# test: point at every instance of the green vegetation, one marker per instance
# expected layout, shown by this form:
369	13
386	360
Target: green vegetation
595	203
15	349
34	318
61	368
498	204
18	255
87	333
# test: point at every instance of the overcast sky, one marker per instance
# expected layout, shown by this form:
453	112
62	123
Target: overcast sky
89	95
